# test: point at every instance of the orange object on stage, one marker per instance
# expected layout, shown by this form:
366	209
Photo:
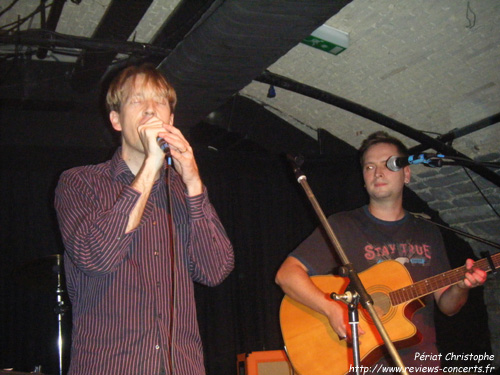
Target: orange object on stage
271	362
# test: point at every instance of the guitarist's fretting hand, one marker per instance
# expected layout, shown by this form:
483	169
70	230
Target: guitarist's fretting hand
450	300
473	277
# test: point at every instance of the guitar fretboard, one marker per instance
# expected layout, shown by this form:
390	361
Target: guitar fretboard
427	286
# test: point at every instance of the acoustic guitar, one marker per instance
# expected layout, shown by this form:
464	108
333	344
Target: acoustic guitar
314	348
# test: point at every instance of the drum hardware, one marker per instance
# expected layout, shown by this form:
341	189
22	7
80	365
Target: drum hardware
46	273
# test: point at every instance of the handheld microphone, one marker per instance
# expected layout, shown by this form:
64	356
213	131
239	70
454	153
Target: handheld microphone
395	163
163	145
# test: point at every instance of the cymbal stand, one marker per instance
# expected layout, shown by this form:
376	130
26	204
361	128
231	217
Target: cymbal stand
349	271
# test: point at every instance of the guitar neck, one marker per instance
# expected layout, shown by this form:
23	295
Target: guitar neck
431	284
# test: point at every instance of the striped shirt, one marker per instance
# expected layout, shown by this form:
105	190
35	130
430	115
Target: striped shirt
133	311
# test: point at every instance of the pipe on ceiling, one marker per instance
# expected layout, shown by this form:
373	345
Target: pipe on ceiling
326	97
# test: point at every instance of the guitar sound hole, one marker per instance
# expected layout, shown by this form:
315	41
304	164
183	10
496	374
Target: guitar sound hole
381	304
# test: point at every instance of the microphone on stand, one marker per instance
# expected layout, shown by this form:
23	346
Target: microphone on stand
395	163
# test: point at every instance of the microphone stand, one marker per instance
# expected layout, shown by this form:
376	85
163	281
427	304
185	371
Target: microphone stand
60	310
427	218
355	282
352	301
439	160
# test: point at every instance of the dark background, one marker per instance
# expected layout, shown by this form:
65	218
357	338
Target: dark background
242	159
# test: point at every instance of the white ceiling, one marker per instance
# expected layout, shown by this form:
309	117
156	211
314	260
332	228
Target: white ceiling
422	63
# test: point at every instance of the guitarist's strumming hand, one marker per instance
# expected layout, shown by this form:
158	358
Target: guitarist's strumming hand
293	278
336	317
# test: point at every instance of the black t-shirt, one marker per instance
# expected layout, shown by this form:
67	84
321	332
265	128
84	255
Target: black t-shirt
367	241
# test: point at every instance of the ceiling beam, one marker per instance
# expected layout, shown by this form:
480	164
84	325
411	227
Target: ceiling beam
118	23
53	40
457	133
183	18
233	43
52	21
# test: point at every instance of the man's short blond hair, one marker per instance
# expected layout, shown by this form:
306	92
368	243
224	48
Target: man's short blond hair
119	87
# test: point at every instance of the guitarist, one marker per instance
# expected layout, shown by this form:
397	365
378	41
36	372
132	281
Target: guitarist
380	231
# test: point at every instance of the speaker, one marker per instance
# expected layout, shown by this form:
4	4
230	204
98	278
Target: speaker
271	362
